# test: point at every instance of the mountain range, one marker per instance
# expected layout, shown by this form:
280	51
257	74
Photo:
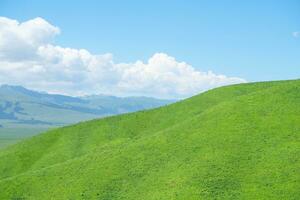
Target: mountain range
26	112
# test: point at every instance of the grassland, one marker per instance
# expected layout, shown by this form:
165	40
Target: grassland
235	142
10	136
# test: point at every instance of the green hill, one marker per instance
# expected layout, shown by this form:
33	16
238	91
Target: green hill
234	142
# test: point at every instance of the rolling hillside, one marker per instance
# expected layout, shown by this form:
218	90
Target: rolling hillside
24	112
234	142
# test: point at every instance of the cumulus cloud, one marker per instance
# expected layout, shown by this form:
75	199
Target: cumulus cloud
163	75
28	57
19	41
296	34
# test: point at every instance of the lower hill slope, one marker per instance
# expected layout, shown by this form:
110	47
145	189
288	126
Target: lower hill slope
234	142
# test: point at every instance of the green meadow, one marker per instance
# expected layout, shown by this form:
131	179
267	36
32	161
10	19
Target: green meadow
234	142
10	136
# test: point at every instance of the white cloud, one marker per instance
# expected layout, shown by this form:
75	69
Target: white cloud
296	34
164	76
28	57
19	41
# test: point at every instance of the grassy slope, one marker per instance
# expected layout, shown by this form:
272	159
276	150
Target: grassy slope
236	142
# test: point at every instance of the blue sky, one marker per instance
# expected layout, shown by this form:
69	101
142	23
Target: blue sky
252	40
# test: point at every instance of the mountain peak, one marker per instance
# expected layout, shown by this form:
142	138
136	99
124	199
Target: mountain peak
13	87
18	89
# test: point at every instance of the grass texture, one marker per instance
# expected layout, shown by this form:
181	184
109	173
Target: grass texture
233	142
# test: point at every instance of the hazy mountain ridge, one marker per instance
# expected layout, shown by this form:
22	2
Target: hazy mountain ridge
22	105
25	112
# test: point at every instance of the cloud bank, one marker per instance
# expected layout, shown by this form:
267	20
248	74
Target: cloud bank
28	57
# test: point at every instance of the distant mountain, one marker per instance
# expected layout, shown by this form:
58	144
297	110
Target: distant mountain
21	108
